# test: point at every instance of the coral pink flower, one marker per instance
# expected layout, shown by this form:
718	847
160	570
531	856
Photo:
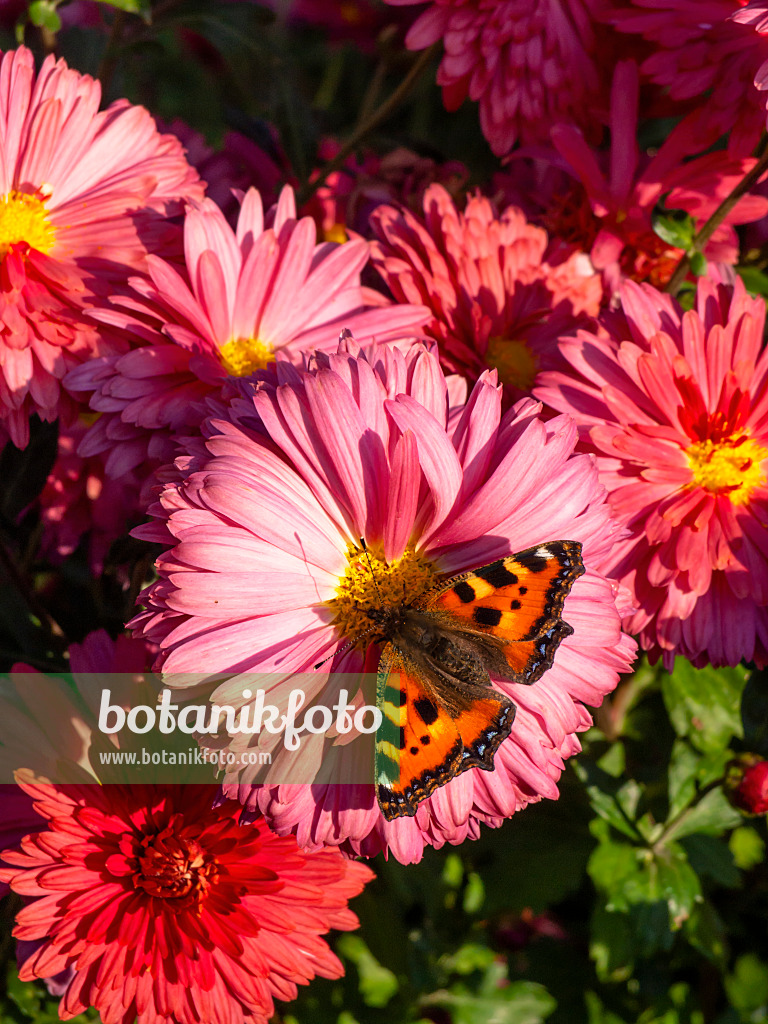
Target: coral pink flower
170	911
244	295
18	818
616	227
499	294
82	196
675	407
706	47
528	65
365	446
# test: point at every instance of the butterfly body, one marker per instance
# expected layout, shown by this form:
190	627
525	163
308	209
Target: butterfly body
440	712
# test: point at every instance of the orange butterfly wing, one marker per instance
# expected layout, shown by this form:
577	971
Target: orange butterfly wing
419	745
519	599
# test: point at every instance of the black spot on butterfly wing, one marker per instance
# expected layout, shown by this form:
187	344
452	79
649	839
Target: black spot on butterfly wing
497	574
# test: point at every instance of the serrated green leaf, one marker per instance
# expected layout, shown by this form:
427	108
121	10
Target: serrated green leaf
712	815
704	704
678	884
683	769
610	798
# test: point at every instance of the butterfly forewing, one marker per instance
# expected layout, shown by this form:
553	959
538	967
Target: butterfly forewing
518	599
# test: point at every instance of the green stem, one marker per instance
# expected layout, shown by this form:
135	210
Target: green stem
366	127
707	229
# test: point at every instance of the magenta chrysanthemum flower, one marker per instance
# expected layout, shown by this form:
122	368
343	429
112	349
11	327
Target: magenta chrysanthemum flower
528	65
705	47
613	217
83	194
500	295
265	573
18	818
245	296
170	911
675	407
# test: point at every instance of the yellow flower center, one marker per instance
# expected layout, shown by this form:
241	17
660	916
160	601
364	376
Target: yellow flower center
731	466
335	233
23	219
242	356
516	364
377	584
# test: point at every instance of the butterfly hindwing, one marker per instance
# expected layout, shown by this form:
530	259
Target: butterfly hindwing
518	599
420	745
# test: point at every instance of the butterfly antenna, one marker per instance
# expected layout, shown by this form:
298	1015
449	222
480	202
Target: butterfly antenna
344	647
364	546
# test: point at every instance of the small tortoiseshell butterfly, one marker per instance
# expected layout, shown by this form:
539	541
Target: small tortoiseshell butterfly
440	714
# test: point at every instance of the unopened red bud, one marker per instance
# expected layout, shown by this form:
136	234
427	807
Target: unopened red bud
747	783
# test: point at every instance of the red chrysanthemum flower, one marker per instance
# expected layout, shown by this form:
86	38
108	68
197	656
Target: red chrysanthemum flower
83	195
171	911
500	294
18	818
529	65
264	574
242	296
706	47
674	406
610	213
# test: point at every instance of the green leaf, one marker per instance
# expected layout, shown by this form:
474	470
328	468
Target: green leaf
747	847
675	227
712	857
611	944
698	263
521	1002
613	800
712	815
754	713
705	931
377	984
704	704
43	14
683	769
747	987
755	280
141	7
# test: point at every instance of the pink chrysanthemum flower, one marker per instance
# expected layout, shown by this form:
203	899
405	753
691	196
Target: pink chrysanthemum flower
675	407
705	47
529	65
244	296
611	216
265	572
500	294
171	912
18	818
83	195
